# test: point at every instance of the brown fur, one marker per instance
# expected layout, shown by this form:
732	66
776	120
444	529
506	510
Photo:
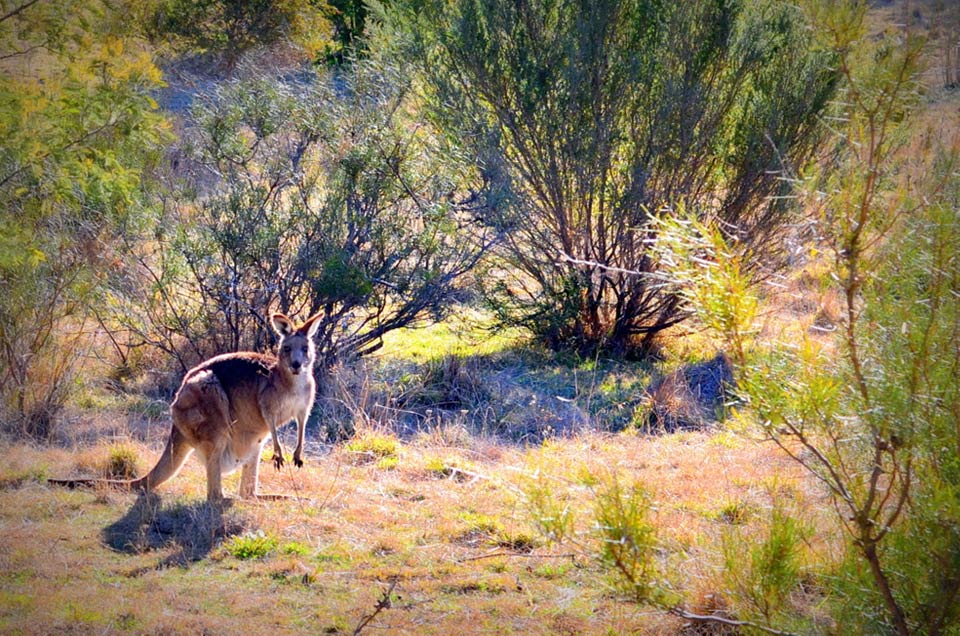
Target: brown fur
227	405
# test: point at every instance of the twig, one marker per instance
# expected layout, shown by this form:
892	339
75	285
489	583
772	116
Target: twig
333	484
708	618
12	12
382	604
528	555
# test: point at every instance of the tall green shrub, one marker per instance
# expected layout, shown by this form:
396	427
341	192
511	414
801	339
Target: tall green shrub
78	127
586	117
873	417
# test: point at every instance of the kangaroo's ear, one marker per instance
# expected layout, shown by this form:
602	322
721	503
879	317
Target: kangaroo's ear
281	324
311	324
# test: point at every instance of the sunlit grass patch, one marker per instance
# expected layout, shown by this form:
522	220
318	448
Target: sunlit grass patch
466	332
295	548
252	545
374	447
448	466
480	523
16	476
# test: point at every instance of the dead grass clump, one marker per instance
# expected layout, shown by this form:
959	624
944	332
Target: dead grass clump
689	398
827	316
122	462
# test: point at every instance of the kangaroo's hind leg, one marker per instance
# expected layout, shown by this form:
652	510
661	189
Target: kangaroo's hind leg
250	474
201	412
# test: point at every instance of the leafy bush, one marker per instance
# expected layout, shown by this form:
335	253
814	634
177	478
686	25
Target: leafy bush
551	514
589	119
78	131
762	572
223	30
304	194
628	539
873	417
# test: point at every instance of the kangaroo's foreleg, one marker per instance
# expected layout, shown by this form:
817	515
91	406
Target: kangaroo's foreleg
301	429
271	419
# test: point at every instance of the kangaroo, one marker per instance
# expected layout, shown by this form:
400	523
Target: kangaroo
225	407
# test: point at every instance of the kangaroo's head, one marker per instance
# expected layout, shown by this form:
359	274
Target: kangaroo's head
296	352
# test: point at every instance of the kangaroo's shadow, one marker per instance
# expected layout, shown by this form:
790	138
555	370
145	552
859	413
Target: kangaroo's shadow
193	529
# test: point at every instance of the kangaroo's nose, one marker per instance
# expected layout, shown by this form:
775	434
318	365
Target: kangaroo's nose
295	364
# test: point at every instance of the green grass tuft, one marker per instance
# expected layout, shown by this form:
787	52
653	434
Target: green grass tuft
374	446
254	545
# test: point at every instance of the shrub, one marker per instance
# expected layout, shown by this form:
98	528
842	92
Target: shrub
762	572
223	30
873	418
587	118
301	195
628	539
550	512
78	131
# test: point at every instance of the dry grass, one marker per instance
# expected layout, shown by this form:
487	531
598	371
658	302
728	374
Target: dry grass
460	543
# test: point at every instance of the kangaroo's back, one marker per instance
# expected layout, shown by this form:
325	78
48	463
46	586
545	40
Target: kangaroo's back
237	373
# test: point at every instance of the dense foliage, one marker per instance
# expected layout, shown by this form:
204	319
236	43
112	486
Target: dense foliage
873	414
78	126
591	118
303	194
222	31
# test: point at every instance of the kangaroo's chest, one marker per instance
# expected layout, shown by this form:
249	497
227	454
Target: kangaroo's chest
284	403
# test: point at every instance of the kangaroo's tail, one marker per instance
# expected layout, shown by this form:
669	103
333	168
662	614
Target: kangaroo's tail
175	453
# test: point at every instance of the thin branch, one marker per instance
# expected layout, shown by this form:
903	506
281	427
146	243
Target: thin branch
13	12
384	603
525	555
708	618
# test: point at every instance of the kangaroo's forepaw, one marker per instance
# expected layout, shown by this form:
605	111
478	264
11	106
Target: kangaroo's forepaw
297	462
278	460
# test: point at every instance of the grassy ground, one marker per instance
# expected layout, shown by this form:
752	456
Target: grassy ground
466	497
455	527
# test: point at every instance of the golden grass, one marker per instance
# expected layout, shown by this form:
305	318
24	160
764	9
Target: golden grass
461	544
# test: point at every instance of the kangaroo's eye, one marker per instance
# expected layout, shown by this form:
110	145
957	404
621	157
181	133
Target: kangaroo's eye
286	349
306	349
